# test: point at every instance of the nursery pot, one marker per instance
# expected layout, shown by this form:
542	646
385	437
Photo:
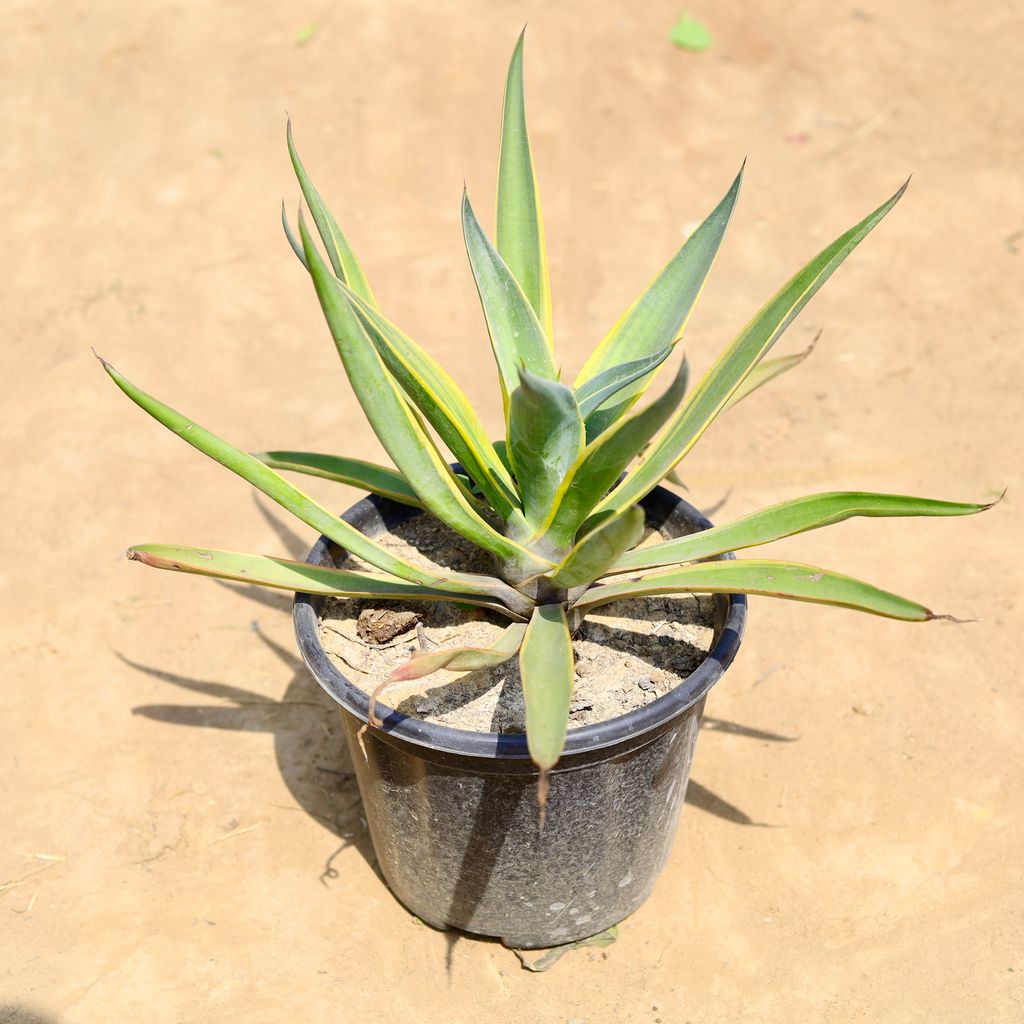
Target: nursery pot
453	814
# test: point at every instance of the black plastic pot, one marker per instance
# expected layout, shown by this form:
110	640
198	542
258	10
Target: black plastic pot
453	814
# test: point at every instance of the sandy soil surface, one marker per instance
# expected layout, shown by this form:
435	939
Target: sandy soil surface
181	839
626	653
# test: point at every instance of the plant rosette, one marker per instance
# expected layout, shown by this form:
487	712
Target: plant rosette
533	836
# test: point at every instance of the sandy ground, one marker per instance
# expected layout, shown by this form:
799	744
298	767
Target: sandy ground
177	819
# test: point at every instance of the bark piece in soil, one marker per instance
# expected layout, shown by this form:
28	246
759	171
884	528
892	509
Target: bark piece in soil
379	625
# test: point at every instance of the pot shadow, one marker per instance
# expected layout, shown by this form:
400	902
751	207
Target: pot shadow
18	1013
309	742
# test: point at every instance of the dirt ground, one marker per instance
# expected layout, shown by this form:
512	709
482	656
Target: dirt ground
181	840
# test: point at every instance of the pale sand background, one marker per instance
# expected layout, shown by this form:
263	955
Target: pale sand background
143	736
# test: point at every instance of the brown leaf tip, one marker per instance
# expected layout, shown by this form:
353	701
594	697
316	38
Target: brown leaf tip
543	784
992	504
932	617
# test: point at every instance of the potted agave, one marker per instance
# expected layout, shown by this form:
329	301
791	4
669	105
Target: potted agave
550	834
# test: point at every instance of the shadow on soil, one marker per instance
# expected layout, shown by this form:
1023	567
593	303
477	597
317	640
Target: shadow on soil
17	1014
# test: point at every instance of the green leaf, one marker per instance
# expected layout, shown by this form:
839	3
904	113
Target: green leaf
546	668
382	480
690	34
661	313
602	463
462	659
339	252
598	551
767	370
706	401
396	424
292	240
305	508
519	231
786	519
790	580
594	392
286	574
444	405
517	337
545	437
455	659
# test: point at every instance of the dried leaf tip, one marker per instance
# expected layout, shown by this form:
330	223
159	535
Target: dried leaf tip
933	617
992	504
543	784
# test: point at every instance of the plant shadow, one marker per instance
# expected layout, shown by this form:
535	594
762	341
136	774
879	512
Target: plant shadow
309	742
18	1013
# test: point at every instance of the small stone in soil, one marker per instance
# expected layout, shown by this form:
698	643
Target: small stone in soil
379	625
645	683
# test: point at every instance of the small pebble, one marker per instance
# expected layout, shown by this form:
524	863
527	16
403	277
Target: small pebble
645	683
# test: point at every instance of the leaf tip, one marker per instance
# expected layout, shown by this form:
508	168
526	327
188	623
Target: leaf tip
992	504
543	785
898	194
934	617
402	673
801	356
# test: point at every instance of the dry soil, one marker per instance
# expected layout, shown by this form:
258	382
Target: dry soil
181	837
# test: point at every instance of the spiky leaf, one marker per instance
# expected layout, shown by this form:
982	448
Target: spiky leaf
546	668
786	519
443	404
339	252
286	574
369	476
305	508
765	371
395	423
592	394
517	336
660	314
775	579
519	231
714	390
295	244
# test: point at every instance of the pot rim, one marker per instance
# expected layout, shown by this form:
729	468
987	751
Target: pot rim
651	718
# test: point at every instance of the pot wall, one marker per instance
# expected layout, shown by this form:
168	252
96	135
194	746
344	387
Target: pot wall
461	845
453	814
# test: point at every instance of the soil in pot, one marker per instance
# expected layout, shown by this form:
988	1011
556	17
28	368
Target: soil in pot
627	653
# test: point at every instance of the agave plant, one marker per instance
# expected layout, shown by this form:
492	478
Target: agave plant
556	503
